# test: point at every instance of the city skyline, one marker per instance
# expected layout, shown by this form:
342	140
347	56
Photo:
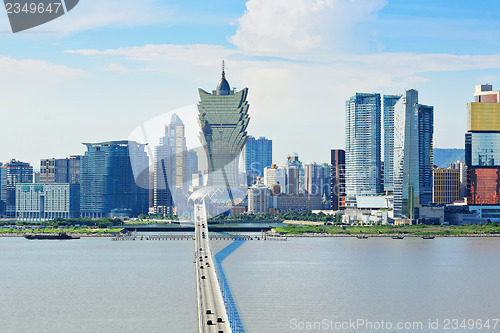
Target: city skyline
151	58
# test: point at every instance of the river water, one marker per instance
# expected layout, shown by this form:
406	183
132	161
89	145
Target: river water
96	285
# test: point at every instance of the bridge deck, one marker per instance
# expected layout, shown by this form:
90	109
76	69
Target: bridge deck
211	309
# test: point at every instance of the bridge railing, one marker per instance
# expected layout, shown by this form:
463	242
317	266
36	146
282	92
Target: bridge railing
236	322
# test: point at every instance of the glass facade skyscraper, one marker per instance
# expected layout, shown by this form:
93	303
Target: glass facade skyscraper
389	103
170	171
363	146
107	184
13	172
482	147
258	155
223	116
413	155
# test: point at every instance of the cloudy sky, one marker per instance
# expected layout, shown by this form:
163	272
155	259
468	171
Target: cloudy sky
108	66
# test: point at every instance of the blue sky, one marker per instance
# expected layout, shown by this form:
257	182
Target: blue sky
109	66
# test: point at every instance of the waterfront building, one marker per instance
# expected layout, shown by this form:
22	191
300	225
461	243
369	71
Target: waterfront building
288	202
294	172
445	185
258	154
223	116
2	204
170	170
482	147
388	168
192	166
413	151
461	166
13	173
64	170
337	187
313	179
259	198
325	192
40	202
363	147
109	187
274	175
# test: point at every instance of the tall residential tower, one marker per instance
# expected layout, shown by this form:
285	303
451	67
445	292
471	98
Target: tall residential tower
363	147
413	151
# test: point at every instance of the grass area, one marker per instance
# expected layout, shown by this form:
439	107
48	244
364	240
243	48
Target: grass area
391	230
57	230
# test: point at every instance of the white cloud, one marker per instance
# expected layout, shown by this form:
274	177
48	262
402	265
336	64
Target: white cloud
91	14
301	25
35	69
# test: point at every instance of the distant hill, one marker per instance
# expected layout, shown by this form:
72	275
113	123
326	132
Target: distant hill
444	156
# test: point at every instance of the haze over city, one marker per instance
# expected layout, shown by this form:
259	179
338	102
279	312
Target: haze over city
93	76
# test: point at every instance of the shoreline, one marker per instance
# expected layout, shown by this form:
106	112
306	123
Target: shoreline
318	235
75	234
387	235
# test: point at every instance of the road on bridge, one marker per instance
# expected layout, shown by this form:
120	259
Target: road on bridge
212	314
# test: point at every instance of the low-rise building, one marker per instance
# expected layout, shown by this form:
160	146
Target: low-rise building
38	202
287	202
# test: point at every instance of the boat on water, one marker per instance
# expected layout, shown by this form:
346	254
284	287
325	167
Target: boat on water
361	237
61	235
398	237
428	237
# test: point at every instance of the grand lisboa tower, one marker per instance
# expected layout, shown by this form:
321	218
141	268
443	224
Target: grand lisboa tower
223	118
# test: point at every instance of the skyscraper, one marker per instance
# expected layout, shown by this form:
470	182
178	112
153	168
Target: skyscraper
64	170
446	185
337	190
107	186
363	146
258	155
294	172
223	117
389	103
13	172
482	147
170	167
313	179
413	147
192	165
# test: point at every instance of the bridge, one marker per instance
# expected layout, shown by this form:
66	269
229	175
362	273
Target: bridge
212	314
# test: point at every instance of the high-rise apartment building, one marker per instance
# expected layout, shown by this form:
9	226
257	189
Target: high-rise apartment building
313	179
259	198
13	173
258	154
192	166
108	185
275	175
64	170
388	170
482	147
337	188
170	177
294	172
446	185
363	147
461	166
413	152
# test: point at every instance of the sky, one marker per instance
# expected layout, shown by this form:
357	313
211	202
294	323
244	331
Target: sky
108	66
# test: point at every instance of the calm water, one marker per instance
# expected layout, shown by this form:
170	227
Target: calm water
96	285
